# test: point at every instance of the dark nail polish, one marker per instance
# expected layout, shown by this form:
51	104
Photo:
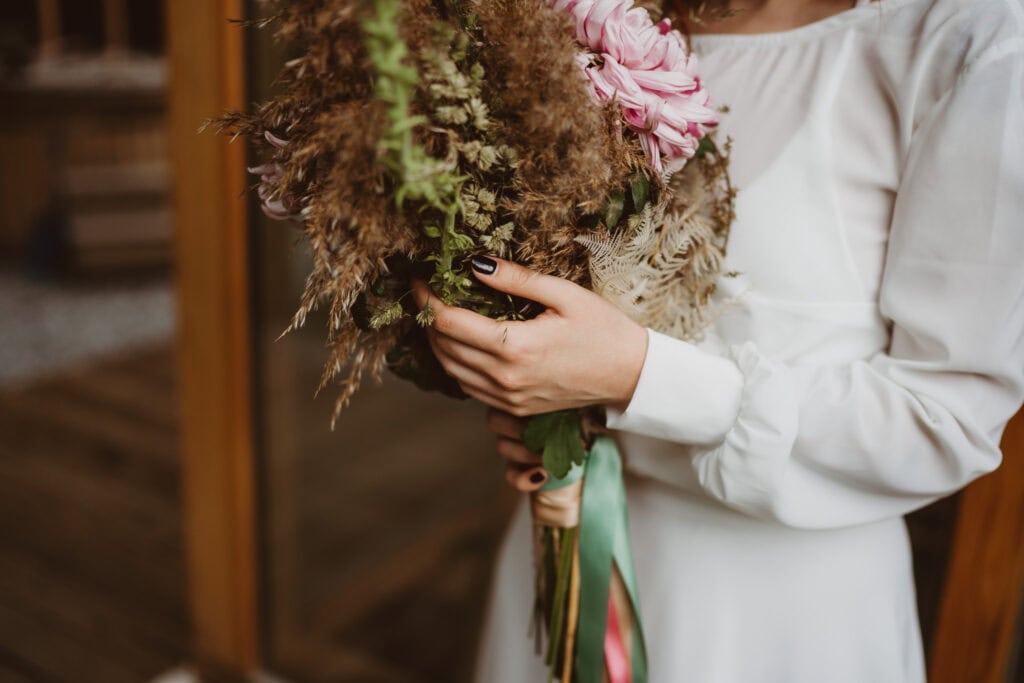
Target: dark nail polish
484	264
538	477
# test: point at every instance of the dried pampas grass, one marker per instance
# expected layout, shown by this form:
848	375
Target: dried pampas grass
570	155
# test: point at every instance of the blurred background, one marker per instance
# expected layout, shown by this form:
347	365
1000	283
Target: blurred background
173	505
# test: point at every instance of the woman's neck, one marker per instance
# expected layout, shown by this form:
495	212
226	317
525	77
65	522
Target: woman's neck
763	16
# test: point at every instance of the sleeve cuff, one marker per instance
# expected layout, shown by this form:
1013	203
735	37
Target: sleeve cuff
684	394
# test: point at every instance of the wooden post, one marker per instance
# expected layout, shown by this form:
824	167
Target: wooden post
49	28
982	598
115	27
206	59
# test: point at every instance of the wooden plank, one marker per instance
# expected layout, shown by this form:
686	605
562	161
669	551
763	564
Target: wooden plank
96	423
24	634
123	542
91	575
49	28
77	617
982	598
207	76
115	26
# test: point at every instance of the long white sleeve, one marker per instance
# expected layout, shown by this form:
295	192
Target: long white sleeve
818	446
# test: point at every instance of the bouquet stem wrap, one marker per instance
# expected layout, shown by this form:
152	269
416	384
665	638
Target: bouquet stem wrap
587	594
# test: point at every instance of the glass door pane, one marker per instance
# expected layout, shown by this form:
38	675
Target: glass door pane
378	538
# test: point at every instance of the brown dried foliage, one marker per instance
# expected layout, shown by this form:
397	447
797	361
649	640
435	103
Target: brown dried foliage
572	154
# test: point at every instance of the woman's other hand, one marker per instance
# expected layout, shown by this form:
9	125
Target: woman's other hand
580	351
523	468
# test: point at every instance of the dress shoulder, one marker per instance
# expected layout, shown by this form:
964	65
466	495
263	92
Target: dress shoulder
955	36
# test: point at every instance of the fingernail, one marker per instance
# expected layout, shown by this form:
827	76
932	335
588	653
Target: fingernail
538	477
484	264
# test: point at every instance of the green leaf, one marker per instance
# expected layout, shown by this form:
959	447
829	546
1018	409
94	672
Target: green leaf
432	231
641	191
706	146
613	209
461	242
558	436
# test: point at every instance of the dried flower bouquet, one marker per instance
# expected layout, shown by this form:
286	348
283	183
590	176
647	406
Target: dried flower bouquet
411	136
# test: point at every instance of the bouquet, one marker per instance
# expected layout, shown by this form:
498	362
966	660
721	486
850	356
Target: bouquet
571	136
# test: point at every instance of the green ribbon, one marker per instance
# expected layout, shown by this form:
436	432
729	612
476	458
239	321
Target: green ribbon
603	539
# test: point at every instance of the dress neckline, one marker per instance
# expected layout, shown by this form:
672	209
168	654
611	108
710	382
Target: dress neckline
809	31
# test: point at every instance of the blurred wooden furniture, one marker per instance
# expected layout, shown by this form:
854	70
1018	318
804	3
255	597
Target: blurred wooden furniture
114	22
86	136
98	156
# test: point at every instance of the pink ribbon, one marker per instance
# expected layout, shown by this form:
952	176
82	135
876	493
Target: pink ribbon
615	656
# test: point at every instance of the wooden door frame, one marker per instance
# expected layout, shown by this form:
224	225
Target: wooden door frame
982	598
207	76
982	595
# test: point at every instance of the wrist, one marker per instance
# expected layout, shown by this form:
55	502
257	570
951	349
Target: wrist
633	354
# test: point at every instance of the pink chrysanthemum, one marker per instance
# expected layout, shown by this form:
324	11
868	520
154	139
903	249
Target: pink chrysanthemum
648	70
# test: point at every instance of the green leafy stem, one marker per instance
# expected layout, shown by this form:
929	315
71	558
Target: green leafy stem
559	436
418	176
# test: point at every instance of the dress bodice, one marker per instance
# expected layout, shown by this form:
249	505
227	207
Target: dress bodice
877	263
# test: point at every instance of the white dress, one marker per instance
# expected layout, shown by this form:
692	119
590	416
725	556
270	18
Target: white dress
870	361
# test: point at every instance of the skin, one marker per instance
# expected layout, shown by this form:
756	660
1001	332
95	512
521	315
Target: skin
582	350
764	16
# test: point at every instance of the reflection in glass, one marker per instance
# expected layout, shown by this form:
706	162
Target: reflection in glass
378	538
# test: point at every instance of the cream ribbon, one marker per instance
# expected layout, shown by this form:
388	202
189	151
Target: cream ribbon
559	507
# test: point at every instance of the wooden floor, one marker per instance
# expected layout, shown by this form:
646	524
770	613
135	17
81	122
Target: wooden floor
91	575
380	535
91	572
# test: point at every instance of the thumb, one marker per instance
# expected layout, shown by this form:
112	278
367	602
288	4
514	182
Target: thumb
512	278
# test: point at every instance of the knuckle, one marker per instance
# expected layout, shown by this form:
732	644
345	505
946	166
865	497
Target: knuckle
581	295
519	408
514	349
509	380
504	449
523	277
443	343
442	321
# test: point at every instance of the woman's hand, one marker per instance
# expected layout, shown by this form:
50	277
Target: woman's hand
523	468
581	351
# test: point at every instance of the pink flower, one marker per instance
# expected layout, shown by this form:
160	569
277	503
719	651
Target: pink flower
275	205
648	70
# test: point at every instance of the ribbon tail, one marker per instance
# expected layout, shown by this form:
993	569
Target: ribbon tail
616	654
605	560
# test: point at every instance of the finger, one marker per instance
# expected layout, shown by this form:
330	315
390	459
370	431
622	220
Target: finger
422	295
468	355
488	399
516	452
458	323
512	278
505	424
463	374
526	481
